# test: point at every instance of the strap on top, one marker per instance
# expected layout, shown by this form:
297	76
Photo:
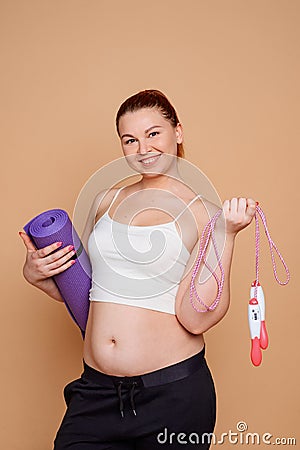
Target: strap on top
189	204
114	198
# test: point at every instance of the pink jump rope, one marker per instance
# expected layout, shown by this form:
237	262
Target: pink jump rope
256	305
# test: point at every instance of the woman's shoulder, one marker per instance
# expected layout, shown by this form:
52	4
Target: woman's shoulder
204	210
102	201
211	207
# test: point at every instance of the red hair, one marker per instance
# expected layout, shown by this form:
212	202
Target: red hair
150	98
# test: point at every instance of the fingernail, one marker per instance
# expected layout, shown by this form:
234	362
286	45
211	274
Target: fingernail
20	232
73	262
59	243
71	247
256	203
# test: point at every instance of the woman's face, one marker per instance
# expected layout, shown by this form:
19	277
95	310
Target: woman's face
148	140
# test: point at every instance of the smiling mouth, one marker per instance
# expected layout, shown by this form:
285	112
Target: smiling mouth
150	160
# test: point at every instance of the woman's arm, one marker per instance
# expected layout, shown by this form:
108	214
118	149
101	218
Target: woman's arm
91	219
99	206
238	214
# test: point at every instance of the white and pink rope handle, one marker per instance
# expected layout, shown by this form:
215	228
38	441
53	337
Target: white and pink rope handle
208	233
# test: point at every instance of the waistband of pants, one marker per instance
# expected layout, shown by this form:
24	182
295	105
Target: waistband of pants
164	375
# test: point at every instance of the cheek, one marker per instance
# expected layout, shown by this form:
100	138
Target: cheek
172	145
128	150
166	143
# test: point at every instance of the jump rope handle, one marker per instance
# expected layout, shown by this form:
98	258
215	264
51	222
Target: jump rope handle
259	295
254	318
256	305
257	323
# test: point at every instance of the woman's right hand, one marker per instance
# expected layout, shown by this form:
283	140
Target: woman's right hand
41	264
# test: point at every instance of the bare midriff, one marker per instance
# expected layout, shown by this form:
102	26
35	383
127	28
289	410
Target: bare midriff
123	340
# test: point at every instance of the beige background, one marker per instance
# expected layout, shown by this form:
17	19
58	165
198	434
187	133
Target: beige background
232	70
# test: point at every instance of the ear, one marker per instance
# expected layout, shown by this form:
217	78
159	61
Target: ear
179	133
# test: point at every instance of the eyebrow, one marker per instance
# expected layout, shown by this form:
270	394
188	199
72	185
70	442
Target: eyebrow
146	131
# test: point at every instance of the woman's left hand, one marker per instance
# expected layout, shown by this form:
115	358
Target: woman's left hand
238	213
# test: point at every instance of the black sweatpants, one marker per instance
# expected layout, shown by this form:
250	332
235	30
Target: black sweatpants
170	408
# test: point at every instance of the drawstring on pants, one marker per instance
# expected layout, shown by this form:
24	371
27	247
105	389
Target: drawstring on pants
132	398
120	398
121	404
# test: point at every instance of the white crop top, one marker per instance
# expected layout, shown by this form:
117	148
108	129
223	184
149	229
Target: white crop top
136	265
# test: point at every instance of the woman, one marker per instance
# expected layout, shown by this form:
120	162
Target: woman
146	384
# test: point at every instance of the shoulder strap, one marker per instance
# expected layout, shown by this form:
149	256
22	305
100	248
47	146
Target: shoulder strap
187	206
114	198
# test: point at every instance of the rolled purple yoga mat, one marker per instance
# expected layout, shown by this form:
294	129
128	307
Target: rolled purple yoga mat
74	283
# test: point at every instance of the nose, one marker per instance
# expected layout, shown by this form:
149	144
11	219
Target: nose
143	147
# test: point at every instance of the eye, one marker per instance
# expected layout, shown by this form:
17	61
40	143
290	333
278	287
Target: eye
153	133
129	141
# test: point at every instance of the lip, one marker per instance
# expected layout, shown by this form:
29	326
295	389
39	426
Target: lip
146	161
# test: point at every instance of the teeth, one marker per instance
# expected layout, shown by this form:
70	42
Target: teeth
149	160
